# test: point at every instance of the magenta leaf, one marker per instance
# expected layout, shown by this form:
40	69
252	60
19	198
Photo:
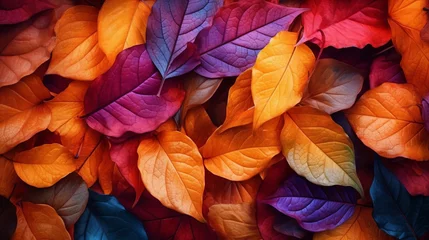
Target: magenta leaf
124	98
386	68
239	31
16	11
316	208
173	24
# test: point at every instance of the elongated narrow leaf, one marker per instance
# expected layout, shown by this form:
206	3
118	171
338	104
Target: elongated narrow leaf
124	98
171	26
239	31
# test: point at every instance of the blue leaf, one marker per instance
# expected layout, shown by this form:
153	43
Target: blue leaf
106	218
395	211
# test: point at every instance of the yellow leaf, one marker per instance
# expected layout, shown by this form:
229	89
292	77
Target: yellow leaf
122	24
318	149
280	76
45	165
172	171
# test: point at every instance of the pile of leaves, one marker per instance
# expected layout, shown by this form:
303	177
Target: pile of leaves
205	119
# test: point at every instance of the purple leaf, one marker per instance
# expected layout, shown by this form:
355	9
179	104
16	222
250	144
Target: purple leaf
239	31
16	11
124	98
173	24
386	68
316	208
425	112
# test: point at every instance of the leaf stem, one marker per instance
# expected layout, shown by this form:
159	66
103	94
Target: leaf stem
160	87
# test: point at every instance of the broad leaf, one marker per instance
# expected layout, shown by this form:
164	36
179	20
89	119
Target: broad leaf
91	158
8	219
239	31
281	71
12	12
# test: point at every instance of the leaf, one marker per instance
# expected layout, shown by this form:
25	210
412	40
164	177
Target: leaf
172	171
198	126
316	208
333	86
173	24
39	221
318	149
19	11
406	19
388	120
21	114
290	227
106	218
346	24
90	161
360	226
425	112
412	174
105	173
240	153
8	177
396	212
24	47
77	54
126	21
240	108
110	102
125	156
234	221
8	219
198	91
68	197
239	31
386	68
281	70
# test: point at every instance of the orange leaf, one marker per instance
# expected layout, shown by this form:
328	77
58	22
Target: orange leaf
20	115
77	54
105	174
360	226
92	157
25	46
388	120
318	149
169	125
198	125
281	72
45	165
407	19
8	177
240	153
39	221
240	108
333	86
172	171
126	20
234	221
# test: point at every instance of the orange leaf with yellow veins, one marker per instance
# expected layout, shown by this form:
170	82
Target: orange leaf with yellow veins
318	149
8	177
39	221
172	171
388	120
77	54
234	221
25	46
45	165
21	114
198	125
240	108
126	20
280	76
360	226
240	153
90	160
406	20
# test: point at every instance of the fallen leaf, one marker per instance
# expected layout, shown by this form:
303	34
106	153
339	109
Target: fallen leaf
89	162
412	174
45	165
170	166
126	21
105	173
21	10
281	70
333	86
386	68
388	120
77	54
198	126
8	177
318	149
8	219
39	221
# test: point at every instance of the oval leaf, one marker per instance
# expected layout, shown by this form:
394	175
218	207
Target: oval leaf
318	149
8	219
281	71
110	102
239	31
180	185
